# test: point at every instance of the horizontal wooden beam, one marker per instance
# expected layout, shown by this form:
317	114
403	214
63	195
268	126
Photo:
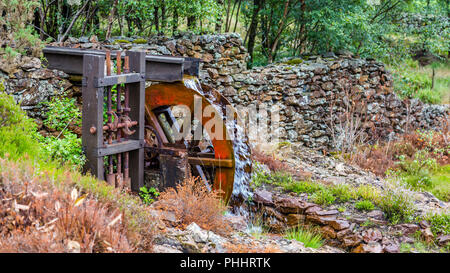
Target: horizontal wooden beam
211	162
157	68
120	147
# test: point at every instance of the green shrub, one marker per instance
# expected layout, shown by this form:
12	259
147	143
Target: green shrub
261	176
343	192
364	205
323	197
148	194
309	237
17	131
368	192
397	202
419	165
428	95
61	112
303	186
440	223
67	149
420	181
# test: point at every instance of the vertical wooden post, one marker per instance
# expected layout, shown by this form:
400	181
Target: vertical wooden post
93	68
137	106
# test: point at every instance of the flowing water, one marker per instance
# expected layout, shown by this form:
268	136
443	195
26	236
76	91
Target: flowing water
241	148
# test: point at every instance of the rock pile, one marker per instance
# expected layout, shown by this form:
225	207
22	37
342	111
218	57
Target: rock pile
30	84
306	93
305	89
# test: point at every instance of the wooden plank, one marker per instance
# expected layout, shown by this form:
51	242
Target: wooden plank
205	161
94	66
137	106
120	147
158	68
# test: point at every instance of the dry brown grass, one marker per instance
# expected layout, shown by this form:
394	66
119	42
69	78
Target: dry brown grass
277	165
36	216
191	202
383	156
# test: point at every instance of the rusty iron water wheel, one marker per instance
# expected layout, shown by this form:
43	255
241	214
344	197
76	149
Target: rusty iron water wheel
215	164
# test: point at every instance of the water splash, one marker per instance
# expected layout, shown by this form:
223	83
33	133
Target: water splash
241	149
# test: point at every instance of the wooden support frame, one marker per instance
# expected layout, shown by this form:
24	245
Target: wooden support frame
94	81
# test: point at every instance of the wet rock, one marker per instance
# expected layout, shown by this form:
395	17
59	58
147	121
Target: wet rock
372	247
272	212
391	248
313	210
338	224
372	235
288	205
328	232
323	220
424	224
427	235
351	240
42	74
443	239
30	64
294	219
407	229
263	197
407	240
198	234
376	214
237	222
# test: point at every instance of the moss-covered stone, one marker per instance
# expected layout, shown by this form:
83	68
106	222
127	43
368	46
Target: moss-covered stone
294	61
140	41
120	41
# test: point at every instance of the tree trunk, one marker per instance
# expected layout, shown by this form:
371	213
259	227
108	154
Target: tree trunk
257	5
228	15
280	30
63	37
191	22
175	21
237	16
163	18
218	26
156	18
228	23
111	19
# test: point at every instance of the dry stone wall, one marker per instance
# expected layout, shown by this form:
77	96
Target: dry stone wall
313	92
31	84
320	94
304	90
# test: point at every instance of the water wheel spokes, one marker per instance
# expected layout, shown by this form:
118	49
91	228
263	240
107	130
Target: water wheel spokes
211	158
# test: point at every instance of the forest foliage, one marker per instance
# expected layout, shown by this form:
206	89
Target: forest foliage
271	29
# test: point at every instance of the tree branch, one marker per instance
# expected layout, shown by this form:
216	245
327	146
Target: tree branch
63	37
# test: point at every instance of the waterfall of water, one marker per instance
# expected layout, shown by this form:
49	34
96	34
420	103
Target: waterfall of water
242	153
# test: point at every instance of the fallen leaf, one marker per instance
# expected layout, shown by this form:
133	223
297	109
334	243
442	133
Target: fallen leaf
74	194
38	195
79	201
18	207
115	220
